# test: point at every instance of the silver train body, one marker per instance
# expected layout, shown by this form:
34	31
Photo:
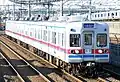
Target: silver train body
71	42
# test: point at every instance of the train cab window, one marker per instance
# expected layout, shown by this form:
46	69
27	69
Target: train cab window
87	39
101	40
74	40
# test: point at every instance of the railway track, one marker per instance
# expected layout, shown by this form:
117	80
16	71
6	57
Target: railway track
25	71
48	70
51	71
7	71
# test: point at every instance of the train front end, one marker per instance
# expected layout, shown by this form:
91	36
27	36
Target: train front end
89	47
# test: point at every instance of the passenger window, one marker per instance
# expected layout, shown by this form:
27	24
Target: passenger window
95	15
25	32
62	39
31	34
45	35
101	40
87	39
41	33
35	33
38	35
49	36
59	38
74	40
116	13
54	37
108	14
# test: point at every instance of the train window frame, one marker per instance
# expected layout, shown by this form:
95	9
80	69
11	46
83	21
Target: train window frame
98	44
75	42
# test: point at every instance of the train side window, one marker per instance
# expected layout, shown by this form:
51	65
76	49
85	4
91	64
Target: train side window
41	33
59	38
95	16
35	32
45	35
62	39
48	36
54	37
101	40
104	14
31	30
98	15
25	32
108	14
116	13
38	35
31	34
74	40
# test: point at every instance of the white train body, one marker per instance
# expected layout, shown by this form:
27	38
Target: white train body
106	15
72	42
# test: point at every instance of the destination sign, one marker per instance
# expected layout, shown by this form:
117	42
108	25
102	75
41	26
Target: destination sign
88	25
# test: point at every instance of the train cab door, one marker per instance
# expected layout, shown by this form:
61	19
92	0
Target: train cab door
88	44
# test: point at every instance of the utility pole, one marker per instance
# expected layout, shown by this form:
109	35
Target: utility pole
29	9
90	10
61	8
14	10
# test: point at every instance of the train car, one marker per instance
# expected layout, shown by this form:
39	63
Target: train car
82	45
106	16
112	18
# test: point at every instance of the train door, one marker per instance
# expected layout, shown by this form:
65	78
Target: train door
88	44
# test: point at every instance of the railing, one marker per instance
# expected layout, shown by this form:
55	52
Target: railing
115	49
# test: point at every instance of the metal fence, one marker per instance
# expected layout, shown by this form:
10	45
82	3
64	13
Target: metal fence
115	49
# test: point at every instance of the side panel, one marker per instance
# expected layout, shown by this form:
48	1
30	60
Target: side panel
25	31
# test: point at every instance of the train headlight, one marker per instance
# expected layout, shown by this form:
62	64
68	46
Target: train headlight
76	51
100	51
